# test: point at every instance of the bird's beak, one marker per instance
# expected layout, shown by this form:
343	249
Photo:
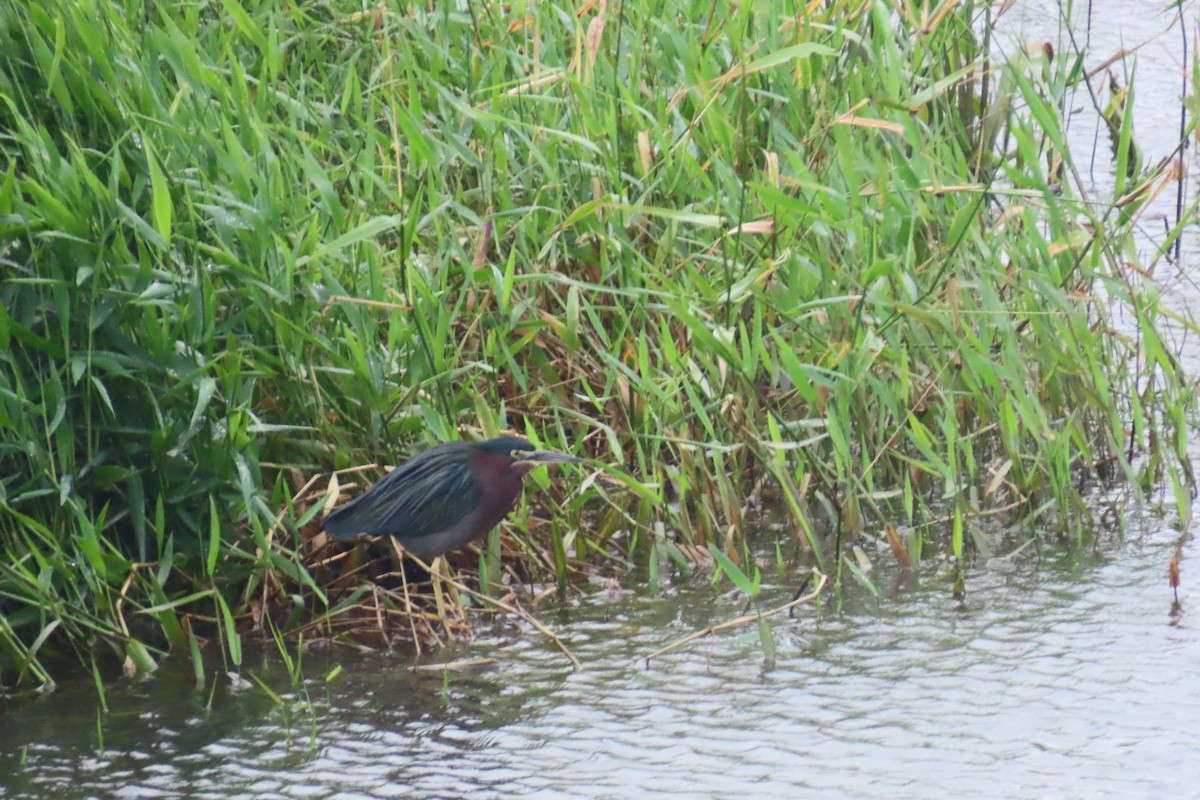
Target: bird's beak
539	457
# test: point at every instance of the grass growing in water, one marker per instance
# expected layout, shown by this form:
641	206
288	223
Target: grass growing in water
840	258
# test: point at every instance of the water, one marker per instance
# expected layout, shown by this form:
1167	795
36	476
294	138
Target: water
1063	673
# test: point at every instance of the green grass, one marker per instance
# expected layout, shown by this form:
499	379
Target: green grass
839	259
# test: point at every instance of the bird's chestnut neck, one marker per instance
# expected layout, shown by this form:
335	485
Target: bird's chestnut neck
499	467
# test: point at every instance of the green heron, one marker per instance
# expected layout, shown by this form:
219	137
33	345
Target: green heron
445	497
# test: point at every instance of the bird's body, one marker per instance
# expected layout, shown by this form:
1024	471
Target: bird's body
445	497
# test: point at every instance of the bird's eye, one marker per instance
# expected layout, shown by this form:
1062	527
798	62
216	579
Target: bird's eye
516	455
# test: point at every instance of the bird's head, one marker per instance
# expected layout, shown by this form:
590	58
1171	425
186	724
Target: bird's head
521	456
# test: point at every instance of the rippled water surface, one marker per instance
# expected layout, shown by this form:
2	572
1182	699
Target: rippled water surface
1062	674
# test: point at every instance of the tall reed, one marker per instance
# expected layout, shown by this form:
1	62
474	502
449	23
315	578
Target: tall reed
840	258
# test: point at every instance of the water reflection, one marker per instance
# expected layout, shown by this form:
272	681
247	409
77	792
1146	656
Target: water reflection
1057	675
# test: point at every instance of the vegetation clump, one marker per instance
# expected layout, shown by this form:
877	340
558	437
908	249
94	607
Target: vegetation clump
840	257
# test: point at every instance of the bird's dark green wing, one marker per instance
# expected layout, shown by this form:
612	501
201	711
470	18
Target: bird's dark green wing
422	497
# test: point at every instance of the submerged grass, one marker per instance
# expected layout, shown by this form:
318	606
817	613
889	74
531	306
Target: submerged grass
840	257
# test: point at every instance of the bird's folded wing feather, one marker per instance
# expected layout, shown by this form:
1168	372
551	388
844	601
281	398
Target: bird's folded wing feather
419	498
